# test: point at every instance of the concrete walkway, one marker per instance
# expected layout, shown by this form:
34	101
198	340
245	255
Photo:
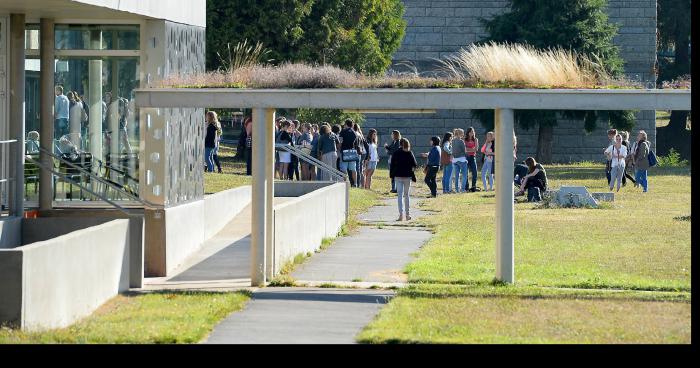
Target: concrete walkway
301	316
331	315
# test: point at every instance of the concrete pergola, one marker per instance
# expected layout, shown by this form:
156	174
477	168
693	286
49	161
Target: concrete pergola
503	101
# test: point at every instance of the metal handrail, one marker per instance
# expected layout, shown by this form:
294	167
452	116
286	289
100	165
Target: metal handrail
302	155
8	141
92	176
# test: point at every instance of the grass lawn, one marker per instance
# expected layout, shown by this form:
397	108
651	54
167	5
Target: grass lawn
161	318
569	266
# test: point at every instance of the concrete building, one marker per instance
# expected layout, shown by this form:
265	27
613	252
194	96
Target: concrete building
436	29
80	250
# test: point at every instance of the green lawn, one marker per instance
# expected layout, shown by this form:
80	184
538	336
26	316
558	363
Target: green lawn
640	242
162	317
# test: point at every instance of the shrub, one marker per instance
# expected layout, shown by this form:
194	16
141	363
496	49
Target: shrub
673	159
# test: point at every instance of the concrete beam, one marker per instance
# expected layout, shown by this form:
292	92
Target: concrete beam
401	99
505	220
263	196
16	192
46	99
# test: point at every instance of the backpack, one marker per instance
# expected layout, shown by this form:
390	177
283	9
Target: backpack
653	161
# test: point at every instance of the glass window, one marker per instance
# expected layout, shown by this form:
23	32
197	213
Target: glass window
97	37
31	37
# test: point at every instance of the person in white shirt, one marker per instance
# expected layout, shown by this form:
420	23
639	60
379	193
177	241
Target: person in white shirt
372	158
617	153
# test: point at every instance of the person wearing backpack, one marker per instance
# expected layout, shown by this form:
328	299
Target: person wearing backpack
640	159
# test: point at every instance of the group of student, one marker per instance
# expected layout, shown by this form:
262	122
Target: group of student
622	155
342	147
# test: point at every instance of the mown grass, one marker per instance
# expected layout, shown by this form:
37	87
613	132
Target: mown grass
153	318
612	275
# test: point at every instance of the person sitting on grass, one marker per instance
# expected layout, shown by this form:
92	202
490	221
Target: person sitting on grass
536	177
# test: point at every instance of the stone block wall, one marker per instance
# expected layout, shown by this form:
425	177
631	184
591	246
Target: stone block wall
436	29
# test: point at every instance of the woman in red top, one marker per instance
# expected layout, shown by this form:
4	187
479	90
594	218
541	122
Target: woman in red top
472	144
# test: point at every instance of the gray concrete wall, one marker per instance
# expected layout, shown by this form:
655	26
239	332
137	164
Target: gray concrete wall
436	29
220	208
298	188
295	234
188	225
10	232
65	278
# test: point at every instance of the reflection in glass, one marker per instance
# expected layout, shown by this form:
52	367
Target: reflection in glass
111	37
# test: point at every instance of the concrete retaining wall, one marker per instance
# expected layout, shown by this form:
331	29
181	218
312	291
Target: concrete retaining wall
53	283
323	212
220	208
10	232
177	232
298	188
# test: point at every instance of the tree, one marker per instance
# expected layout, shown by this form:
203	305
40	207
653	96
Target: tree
674	33
579	25
356	35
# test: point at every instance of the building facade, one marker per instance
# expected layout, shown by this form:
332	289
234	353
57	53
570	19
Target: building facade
436	29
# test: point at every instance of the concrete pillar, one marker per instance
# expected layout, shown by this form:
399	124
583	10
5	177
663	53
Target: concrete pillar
95	101
263	196
46	98
504	196
16	150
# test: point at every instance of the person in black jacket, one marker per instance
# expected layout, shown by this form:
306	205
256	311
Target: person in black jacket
390	149
401	170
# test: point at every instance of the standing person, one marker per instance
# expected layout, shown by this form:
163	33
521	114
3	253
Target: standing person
335	130
348	151
315	133
390	149
372	157
76	117
293	167
285	138
401	170
304	143
472	146
248	128
611	140
446	162
327	143
362	149
617	153
628	160
640	159
515	148
433	165
219	132
459	160
61	113
487	164
210	141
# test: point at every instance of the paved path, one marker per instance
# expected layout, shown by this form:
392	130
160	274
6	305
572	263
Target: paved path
330	315
301	316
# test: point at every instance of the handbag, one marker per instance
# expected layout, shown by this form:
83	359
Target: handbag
653	160
349	155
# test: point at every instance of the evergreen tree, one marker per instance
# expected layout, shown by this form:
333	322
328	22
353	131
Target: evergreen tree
578	25
674	34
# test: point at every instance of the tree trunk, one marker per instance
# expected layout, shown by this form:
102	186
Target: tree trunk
674	135
545	138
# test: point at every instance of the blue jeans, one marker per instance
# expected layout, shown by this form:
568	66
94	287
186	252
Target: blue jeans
403	188
640	176
460	166
487	174
471	164
209	158
446	177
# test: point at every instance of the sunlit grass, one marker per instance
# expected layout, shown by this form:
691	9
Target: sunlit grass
161	318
